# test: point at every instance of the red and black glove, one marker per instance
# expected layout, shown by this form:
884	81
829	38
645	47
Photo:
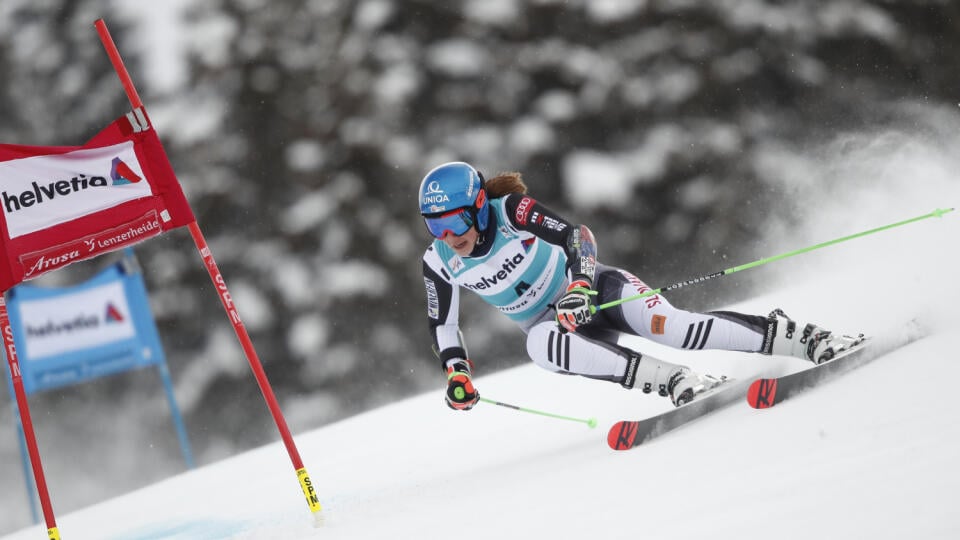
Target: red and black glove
461	395
576	308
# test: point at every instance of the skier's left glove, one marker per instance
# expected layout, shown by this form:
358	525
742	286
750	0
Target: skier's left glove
461	395
576	308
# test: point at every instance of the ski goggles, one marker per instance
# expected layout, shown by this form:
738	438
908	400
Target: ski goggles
455	222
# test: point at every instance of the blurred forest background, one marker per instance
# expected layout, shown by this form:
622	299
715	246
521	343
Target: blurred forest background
300	130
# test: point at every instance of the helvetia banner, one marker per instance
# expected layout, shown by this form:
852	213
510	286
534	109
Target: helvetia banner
67	335
61	205
74	321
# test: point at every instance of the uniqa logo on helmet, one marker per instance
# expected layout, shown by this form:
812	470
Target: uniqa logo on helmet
435	196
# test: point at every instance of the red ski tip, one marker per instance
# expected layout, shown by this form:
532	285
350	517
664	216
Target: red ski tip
622	435
762	393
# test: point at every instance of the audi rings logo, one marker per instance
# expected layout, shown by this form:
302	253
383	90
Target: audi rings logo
523	210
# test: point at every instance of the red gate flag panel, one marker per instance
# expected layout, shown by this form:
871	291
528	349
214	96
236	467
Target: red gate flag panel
65	204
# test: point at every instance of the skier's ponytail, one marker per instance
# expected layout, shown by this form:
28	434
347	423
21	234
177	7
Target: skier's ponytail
504	184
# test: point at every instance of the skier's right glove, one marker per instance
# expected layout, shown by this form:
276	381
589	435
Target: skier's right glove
461	395
575	308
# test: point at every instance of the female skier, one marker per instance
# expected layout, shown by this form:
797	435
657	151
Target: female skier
541	271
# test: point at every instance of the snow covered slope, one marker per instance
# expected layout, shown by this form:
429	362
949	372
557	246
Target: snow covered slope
871	455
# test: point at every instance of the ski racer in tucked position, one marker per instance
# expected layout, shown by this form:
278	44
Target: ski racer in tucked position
542	272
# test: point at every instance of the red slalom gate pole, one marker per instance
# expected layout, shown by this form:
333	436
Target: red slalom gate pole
21	396
305	483
210	264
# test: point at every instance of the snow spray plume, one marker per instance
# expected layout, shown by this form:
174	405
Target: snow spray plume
936	213
907	158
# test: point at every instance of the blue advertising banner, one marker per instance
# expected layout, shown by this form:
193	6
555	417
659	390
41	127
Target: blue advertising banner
103	326
69	335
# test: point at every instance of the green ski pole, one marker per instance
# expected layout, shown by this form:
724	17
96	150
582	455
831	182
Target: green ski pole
591	422
936	213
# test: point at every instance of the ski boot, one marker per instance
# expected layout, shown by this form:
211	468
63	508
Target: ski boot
678	383
809	342
690	385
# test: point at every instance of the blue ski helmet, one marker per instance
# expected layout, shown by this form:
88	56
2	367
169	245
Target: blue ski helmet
454	186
